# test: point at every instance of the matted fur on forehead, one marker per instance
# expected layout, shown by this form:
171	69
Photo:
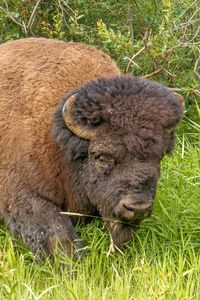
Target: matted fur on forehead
127	101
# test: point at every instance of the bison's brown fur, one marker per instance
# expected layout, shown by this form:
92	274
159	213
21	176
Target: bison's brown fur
43	166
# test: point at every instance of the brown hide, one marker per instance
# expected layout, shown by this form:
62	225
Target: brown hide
34	75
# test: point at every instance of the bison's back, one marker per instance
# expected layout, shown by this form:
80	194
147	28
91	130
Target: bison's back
34	75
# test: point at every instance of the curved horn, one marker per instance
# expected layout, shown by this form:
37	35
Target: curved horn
67	114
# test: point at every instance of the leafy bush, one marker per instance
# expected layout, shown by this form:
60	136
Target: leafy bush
153	39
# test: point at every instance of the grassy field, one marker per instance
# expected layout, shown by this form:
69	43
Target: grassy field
162	262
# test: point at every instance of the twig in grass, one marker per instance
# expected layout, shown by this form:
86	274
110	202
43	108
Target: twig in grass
81	249
112	246
92	216
196	66
153	73
197	92
169	73
176	89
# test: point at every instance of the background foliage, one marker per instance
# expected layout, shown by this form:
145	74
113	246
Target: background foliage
154	39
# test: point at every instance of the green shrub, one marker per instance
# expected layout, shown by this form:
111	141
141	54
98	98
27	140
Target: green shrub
154	39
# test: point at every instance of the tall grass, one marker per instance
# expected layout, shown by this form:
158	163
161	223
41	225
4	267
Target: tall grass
162	261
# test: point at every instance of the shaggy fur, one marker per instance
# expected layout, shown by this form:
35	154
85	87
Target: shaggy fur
45	168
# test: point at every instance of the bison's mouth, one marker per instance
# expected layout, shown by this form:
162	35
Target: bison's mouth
121	232
124	220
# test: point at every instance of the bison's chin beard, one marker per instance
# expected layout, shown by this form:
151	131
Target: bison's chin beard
120	233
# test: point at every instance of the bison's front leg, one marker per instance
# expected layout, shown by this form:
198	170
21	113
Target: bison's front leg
41	226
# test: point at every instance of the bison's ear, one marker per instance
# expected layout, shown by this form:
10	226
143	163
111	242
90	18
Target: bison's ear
180	99
68	117
171	129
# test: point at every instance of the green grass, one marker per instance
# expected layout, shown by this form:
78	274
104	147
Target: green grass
162	262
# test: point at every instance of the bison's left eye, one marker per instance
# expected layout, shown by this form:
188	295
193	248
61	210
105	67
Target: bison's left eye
104	162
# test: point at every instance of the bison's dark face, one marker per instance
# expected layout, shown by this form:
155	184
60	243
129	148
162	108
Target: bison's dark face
125	126
123	170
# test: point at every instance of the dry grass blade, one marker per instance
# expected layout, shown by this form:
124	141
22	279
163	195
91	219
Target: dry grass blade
92	216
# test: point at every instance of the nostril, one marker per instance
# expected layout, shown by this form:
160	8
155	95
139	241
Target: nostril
142	206
128	207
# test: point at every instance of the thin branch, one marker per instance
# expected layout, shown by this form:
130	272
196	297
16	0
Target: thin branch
169	73
196	66
193	15
186	24
8	14
93	216
6	4
64	3
153	73
176	89
131	59
32	17
64	11
111	247
135	55
187	8
197	92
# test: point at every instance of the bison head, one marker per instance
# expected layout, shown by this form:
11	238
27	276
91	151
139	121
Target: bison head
123	126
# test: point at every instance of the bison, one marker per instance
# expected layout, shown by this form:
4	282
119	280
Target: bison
77	136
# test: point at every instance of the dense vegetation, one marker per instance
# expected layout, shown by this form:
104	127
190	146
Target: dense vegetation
157	40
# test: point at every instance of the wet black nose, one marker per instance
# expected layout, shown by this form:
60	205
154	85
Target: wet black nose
128	209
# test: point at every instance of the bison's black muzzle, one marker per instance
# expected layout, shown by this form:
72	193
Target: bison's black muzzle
128	209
